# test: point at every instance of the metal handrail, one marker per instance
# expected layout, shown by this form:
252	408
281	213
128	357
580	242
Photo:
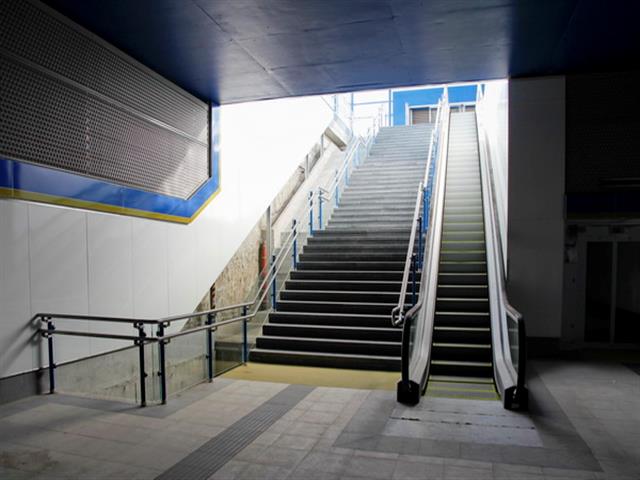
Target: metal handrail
397	313
351	151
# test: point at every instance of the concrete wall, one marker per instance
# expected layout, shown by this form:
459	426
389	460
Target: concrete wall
536	201
55	259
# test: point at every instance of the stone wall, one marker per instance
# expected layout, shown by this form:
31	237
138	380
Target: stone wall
239	280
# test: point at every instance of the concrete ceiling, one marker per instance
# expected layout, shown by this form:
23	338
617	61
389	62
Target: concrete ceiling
231	51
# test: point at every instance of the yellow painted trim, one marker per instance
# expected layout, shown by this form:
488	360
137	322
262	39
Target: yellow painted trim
462	397
101	207
453	389
205	203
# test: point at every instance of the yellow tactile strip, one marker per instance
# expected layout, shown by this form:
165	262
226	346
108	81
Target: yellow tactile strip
316	376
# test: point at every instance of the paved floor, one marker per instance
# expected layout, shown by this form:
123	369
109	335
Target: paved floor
584	423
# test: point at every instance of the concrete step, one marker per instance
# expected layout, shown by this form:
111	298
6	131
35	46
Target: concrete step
357	347
326	359
378	228
388	334
344	285
397	256
343	296
365	308
354	275
356	247
371	225
373	238
352	265
375	235
368	209
330	319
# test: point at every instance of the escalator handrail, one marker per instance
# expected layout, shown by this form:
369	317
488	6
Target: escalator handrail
510	381
415	368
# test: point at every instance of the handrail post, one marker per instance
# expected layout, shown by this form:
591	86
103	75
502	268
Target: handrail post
319	208
346	173
143	374
245	337
294	262
274	303
413	279
162	373
210	358
426	190
310	213
52	366
419	227
335	196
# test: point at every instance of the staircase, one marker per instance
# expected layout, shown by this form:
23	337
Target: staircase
461	357
334	310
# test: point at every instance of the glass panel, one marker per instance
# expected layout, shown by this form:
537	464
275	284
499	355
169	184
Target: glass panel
227	344
598	292
512	331
185	359
627	324
111	376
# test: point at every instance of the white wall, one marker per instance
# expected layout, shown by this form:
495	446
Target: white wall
55	259
536	201
494	111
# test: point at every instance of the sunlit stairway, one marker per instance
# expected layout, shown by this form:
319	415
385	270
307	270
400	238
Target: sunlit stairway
461	359
334	310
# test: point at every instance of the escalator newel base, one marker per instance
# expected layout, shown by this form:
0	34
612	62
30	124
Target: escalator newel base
408	392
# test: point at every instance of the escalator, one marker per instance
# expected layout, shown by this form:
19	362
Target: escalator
462	338
461	350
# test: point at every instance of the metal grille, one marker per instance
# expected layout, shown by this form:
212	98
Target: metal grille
70	101
602	132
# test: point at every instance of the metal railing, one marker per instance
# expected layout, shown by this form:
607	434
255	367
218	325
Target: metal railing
357	149
507	324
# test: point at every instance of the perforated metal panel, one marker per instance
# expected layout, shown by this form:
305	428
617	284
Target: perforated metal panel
72	102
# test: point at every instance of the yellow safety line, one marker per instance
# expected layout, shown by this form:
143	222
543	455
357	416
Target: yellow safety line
316	376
